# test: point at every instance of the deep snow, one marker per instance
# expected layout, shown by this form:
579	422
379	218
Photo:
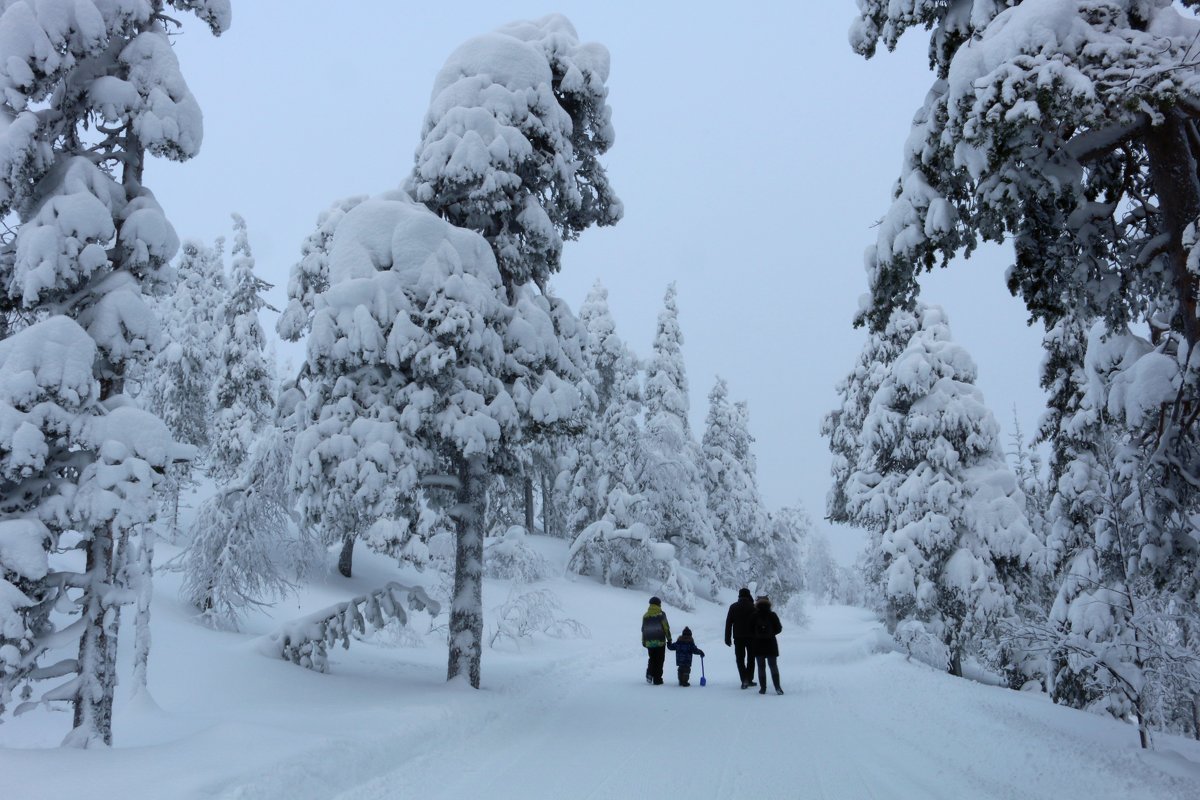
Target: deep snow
573	718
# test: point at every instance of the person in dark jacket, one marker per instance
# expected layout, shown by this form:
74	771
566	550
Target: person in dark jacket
685	647
766	648
656	635
739	632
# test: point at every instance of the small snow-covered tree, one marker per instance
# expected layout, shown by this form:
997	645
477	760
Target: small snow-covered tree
185	366
241	394
671	475
245	546
955	547
730	483
89	90
511	143
775	562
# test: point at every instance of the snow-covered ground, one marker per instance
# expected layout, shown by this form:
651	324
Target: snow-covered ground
573	718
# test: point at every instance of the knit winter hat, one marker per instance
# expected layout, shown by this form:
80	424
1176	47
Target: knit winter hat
686	632
744	592
762	598
654	601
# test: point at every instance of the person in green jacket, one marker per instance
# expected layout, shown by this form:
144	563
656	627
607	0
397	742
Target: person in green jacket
656	633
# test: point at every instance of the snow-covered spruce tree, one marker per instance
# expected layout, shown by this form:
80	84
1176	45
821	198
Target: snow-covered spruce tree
241	395
585	487
178	379
671	477
730	484
932	484
844	429
1069	128
89	89
513	153
1113	644
422	374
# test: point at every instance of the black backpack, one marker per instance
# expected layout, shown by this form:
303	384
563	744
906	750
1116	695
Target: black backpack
652	628
763	629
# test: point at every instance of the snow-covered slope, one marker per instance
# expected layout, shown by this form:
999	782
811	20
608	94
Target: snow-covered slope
573	718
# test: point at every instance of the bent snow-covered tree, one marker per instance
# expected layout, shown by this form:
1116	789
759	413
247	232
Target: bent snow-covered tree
89	89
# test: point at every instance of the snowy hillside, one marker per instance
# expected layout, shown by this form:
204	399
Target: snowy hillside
573	718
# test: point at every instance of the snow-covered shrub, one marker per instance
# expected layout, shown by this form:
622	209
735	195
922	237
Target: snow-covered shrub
795	610
917	642
629	558
534	612
509	557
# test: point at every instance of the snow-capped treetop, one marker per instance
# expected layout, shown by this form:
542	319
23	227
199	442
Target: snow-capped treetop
666	379
604	347
517	120
310	275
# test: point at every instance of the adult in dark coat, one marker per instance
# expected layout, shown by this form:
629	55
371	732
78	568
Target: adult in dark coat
739	632
766	647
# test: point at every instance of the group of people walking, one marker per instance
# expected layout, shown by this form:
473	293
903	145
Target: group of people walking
750	628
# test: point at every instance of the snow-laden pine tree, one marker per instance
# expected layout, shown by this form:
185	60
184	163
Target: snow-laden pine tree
1068	128
671	477
513	153
931	482
89	90
178	379
731	484
422	375
241	394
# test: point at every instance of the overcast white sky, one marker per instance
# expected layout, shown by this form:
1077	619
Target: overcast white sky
754	153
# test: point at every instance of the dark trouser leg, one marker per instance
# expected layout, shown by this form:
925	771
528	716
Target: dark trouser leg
684	674
745	661
771	660
654	665
762	673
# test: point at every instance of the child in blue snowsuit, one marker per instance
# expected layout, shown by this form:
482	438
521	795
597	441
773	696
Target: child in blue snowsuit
684	648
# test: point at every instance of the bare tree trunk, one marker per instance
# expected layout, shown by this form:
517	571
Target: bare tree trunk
1196	716
92	723
1173	170
466	607
346	557
529	516
145	592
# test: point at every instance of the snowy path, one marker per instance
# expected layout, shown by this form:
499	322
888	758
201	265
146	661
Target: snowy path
574	719
853	725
